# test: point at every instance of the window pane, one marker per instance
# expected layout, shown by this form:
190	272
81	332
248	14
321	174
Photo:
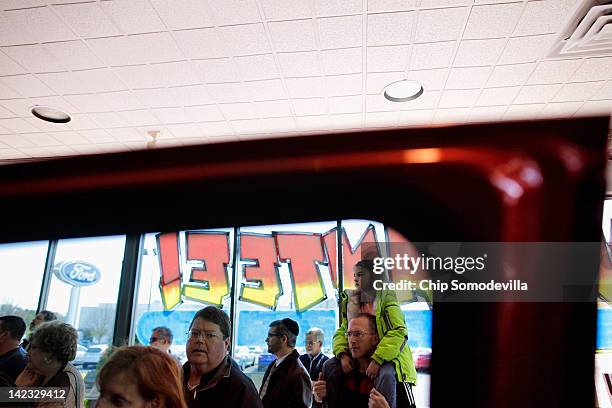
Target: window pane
23	265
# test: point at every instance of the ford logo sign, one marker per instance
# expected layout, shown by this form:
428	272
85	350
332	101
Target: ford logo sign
77	273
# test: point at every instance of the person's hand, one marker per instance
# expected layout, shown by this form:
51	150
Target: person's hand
377	400
319	389
29	378
347	363
372	370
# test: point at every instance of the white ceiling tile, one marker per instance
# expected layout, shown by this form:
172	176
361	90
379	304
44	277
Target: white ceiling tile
204	113
44	126
6	92
467	78
122	100
137	76
300	64
311	87
48	27
215	129
434	55
340	32
186	130
449	116
174	74
73	54
344	85
526	49
69	138
87	19
136	49
487	113
16	140
201	43
510	75
19	107
81	121
310	106
8	66
552	72
108	119
440	24
265	90
97	136
5	113
377	103
272	109
13	32
459	98
217	70
594	69
141	117
523	112
337	7
133	16
246	126
381	119
306	123
17	125
346	104
560	110
245	39
227	12
429	100
88	149
537	94
257	67
179	14
296	35
376	82
27	85
89	103
387	58
128	134
287	9
492	21
234	111
12	154
498	96
56	102
577	92
347	121
431	79
90	81
191	95
390	28
156	98
605	92
39	151
449	3
278	125
390	5
595	108
415	117
20	4
342	61
35	58
543	17
228	93
478	52
171	115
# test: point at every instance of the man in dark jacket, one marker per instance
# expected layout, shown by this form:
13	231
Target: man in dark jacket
286	383
210	377
314	358
13	358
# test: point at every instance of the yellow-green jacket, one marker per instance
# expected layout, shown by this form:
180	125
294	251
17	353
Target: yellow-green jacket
392	331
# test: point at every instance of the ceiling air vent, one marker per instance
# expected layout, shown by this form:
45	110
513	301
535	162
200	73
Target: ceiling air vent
588	32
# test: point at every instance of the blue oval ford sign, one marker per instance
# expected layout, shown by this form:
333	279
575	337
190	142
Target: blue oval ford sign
77	273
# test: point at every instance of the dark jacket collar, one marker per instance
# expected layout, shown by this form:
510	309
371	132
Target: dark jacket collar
222	372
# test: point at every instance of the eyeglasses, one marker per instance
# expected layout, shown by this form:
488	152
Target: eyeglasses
273	335
206	335
311	343
357	334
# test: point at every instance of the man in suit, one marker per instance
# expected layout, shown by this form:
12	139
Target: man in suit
314	358
286	383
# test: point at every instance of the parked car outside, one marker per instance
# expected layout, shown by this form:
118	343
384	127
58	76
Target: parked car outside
91	357
264	360
244	358
422	358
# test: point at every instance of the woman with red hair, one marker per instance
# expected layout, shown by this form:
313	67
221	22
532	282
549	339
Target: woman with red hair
142	377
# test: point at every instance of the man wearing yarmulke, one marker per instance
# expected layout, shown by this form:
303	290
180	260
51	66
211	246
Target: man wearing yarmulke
286	383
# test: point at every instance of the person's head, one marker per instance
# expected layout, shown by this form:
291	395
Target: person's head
364	275
282	335
12	329
52	345
314	341
140	377
161	338
41	317
362	335
208	339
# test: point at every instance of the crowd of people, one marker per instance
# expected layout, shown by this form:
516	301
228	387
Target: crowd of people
371	366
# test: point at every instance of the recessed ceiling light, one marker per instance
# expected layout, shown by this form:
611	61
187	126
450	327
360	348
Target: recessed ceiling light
404	90
50	114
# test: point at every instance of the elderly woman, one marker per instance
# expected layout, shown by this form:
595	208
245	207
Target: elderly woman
140	377
53	346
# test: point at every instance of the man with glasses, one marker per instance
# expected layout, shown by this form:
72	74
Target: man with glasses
314	358
161	339
356	389
211	378
286	384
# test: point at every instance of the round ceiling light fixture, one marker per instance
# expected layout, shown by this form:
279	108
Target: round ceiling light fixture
50	115
403	91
